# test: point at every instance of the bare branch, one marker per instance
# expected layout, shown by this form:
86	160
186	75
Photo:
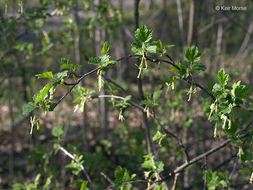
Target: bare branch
108	179
206	154
175	182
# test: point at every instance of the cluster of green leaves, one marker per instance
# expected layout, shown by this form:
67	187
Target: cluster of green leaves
142	47
123	179
186	69
229	100
216	179
103	63
191	65
43	99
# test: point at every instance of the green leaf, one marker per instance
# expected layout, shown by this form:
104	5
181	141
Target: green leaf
222	77
158	44
84	185
29	107
66	66
94	60
173	69
240	91
42	94
225	108
64	61
150	48
157	95
18	186
49	106
122	176
76	167
48	75
57	130
137	48
148	164
159	166
77	99
168	47
127	98
105	58
106	48
99	60
60	75
198	67
192	54
143	34
158	136
219	91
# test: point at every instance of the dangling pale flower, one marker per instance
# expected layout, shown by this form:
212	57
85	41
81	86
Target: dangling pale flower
224	117
76	108
240	152
121	117
32	122
229	124
212	108
146	109
251	178
215	132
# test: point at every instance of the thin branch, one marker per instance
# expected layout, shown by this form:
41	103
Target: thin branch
236	163
77	82
175	181
108	179
168	133
119	86
206	154
122	98
188	80
76	160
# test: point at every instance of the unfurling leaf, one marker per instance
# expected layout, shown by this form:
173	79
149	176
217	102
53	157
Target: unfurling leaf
222	77
57	130
29	107
106	48
192	54
143	34
48	75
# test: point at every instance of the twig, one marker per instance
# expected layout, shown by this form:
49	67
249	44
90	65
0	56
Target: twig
108	179
122	98
188	80
206	154
82	77
76	160
119	86
77	82
175	181
168	133
234	168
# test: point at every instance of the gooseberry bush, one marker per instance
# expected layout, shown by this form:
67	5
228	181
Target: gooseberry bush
226	105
